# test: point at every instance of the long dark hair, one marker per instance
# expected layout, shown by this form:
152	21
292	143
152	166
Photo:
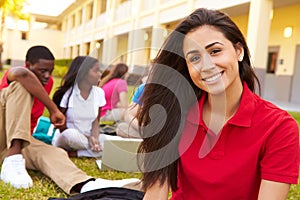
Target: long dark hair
78	69
166	90
117	71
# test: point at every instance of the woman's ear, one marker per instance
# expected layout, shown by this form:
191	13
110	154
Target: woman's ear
240	51
27	64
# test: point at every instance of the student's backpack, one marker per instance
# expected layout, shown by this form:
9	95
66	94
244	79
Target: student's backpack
113	193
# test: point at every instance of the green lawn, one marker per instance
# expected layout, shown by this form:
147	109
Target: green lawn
45	188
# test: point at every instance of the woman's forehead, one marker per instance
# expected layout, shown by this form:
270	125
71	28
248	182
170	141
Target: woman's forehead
202	37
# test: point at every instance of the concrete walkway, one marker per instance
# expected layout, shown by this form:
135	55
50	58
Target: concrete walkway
287	106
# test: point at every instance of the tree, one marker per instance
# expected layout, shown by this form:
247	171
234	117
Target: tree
12	8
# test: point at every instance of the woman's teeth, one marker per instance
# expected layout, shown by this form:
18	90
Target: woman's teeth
213	78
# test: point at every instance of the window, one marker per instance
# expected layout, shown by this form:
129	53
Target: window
89	12
72	21
78	50
79	17
102	6
24	35
272	61
99	48
272	58
87	46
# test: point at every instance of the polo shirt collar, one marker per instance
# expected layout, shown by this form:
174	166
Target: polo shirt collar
243	116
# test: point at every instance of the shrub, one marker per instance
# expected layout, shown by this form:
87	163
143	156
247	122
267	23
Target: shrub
59	71
63	62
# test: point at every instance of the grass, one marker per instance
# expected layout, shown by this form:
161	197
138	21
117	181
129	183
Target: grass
45	187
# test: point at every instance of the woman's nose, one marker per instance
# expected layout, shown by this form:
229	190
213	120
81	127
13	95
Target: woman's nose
207	63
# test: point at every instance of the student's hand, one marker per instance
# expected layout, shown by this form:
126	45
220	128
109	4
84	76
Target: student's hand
94	143
57	119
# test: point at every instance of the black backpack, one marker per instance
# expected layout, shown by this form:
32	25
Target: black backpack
113	193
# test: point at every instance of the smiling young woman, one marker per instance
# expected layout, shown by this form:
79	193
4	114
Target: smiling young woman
202	122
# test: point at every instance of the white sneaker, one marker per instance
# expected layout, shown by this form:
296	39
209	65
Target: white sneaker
14	172
105	183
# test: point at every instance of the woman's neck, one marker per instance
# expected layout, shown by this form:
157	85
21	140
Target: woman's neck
218	109
84	89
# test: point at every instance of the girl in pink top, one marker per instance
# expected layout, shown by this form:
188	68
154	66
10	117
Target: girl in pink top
115	88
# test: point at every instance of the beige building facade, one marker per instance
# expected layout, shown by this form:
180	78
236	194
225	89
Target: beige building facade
132	31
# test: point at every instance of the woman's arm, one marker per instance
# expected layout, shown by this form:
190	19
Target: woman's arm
123	103
130	115
94	138
63	127
157	191
273	190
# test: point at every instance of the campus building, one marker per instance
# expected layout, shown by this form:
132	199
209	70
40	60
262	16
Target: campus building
132	31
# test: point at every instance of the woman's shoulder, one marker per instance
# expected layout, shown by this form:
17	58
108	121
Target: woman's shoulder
273	112
122	82
67	93
99	95
110	83
119	83
116	83
98	90
118	80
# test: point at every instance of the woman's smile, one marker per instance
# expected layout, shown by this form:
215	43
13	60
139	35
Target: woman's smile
213	78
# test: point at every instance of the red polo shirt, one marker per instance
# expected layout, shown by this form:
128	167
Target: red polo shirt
38	107
259	142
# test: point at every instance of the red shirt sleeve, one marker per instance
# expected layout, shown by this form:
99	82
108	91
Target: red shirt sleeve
281	152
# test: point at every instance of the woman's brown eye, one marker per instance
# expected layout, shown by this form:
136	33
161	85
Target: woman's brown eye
215	51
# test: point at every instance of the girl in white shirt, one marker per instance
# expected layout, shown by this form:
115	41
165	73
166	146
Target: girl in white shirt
80	100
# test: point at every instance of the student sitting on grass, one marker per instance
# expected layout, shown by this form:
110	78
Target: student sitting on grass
18	148
81	100
212	137
115	88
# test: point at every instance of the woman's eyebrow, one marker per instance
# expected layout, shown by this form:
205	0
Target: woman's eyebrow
212	44
206	47
190	52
